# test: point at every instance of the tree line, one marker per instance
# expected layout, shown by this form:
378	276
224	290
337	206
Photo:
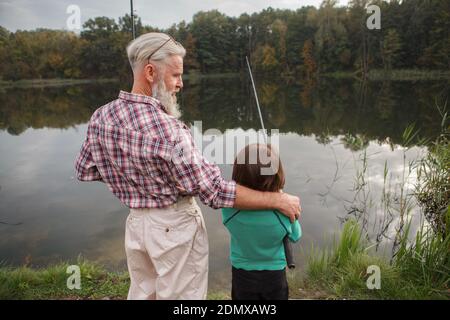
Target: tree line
308	41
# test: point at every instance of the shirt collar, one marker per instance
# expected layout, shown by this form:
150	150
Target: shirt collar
140	98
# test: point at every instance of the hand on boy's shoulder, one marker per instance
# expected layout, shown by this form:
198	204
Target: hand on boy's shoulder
291	204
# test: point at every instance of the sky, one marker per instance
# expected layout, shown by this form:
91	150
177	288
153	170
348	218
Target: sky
32	14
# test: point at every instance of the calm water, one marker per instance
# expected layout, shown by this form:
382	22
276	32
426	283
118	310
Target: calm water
46	215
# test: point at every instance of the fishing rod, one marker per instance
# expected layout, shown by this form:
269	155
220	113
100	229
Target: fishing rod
286	243
257	100
132	20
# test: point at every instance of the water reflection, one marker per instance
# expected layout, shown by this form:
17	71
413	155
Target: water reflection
53	107
323	109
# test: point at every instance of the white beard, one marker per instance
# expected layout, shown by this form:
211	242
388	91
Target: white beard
168	100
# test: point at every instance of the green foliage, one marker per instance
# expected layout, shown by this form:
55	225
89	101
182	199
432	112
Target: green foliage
103	51
342	270
419	271
51	283
433	187
308	40
391	48
426	261
308	59
215	41
420	266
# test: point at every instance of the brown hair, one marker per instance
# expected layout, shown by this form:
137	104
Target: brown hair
248	171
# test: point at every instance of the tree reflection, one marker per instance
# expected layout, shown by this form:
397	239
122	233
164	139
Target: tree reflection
324	109
61	107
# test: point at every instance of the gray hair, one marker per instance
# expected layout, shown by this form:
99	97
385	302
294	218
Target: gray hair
140	49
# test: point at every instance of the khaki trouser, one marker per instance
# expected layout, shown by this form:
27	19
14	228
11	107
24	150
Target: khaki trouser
167	252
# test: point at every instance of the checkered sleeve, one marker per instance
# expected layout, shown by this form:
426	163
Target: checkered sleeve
194	175
85	167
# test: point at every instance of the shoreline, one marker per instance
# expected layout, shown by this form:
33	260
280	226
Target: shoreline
393	75
42	83
373	75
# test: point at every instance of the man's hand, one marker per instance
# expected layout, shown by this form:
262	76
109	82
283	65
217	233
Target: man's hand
248	199
290	206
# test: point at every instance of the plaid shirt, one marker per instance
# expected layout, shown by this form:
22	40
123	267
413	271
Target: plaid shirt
148	158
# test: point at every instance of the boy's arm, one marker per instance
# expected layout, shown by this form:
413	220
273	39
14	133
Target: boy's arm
296	233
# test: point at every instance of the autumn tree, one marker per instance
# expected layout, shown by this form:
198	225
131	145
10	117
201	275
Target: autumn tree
190	60
391	48
308	59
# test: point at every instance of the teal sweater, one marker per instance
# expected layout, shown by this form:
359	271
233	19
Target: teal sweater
257	238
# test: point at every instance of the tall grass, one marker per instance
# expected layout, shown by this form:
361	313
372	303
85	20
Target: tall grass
419	271
342	269
433	187
419	267
426	261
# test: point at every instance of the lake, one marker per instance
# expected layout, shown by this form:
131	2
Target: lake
46	215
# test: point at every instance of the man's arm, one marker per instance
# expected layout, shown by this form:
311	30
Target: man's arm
250	199
85	167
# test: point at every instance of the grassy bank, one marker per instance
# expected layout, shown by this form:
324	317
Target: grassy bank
419	271
99	284
51	283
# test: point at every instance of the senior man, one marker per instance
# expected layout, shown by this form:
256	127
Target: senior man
147	157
